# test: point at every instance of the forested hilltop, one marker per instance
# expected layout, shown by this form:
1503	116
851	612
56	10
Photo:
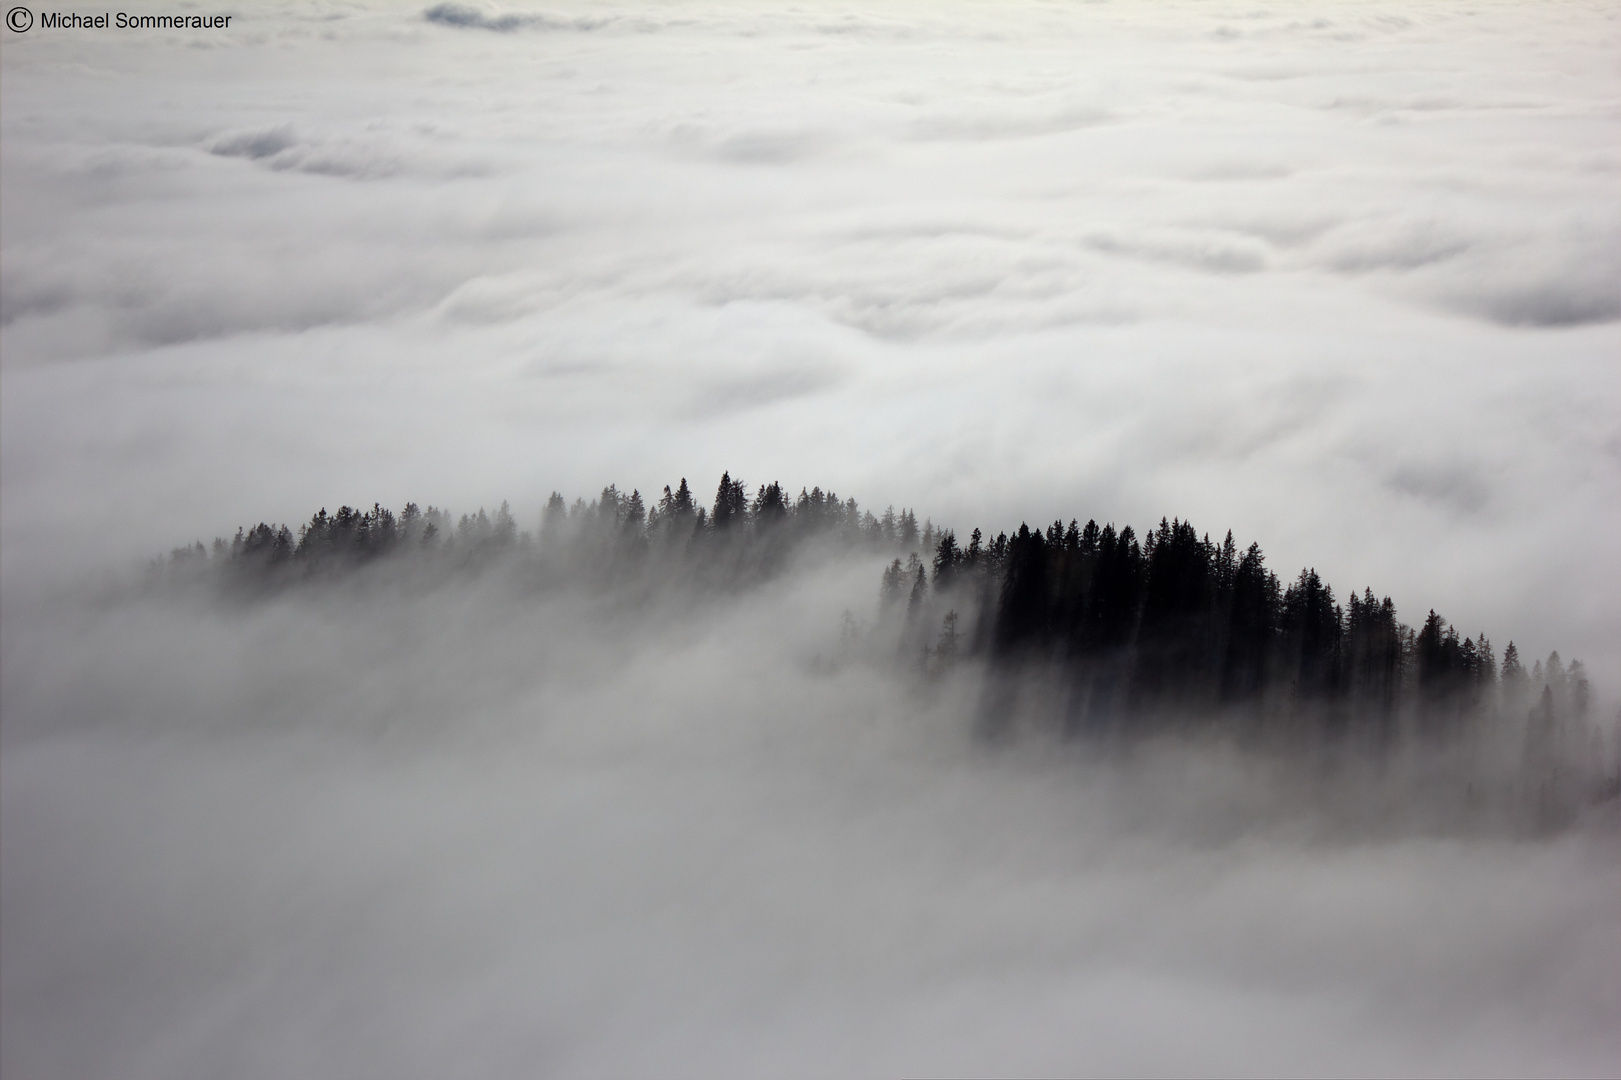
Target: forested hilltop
1097	630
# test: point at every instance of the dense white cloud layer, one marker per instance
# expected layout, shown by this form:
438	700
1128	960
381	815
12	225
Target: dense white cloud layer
1344	277
481	832
1346	280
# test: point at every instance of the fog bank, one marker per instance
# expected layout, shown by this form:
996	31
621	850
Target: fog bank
1342	279
466	830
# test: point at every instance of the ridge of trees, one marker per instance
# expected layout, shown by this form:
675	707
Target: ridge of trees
741	534
1176	624
1131	632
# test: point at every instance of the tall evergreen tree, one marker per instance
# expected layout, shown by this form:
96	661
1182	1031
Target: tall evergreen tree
947	557
731	504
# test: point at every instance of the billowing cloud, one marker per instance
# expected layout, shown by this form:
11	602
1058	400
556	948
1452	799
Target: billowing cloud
474	827
469	16
1003	261
1345	281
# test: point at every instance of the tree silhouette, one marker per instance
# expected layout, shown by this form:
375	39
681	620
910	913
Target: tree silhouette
1129	635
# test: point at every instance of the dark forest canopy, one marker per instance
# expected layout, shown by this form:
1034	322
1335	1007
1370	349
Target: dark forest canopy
735	538
1121	633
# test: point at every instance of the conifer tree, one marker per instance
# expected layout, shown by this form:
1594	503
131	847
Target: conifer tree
946	560
1514	680
731	504
920	595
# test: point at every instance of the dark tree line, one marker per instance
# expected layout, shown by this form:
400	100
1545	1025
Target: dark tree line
1177	625
736	537
1126	634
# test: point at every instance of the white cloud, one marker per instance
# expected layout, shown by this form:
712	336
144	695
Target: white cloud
1105	196
563	184
479	830
1343	280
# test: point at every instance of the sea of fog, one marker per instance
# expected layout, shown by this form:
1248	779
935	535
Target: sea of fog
1344	277
463	828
